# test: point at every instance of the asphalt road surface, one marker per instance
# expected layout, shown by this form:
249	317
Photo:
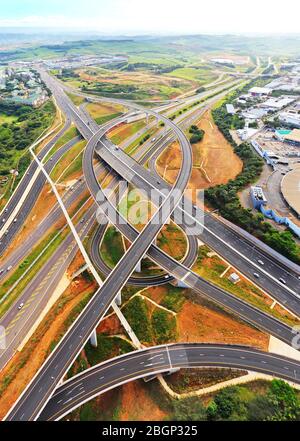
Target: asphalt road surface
119	370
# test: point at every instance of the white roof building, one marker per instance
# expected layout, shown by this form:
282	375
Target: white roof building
291	118
230	109
254	113
260	91
277	103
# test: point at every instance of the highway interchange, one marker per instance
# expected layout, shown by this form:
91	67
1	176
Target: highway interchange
151	361
44	384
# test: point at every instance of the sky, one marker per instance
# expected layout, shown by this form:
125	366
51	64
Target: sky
129	17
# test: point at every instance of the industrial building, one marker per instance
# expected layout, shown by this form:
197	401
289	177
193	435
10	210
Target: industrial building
230	109
290	190
290	136
257	196
290	118
254	113
277	103
260	91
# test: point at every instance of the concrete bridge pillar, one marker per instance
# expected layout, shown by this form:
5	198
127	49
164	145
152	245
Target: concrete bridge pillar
172	371
118	299
93	339
138	268
181	284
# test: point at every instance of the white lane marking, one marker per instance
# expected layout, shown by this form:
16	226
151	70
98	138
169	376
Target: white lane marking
169	358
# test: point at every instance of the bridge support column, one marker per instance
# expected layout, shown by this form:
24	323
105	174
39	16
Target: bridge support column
138	268
118	299
181	284
172	371
93	339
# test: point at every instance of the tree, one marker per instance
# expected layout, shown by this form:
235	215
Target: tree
260	409
284	399
190	409
228	402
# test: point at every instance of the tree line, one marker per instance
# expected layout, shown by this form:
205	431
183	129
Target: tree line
225	197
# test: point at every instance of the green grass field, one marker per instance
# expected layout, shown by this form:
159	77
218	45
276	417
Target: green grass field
200	75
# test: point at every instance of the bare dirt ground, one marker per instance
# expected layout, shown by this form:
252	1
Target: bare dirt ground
169	162
202	322
29	360
110	326
214	160
137	404
100	109
199	323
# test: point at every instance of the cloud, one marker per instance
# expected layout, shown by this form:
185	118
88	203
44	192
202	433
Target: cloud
49	21
157	16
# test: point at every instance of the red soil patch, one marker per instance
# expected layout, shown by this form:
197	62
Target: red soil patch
137	405
214	160
198	323
35	351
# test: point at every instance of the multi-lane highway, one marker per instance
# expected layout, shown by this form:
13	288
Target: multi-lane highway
34	298
140	177
177	269
151	361
40	389
43	385
35	183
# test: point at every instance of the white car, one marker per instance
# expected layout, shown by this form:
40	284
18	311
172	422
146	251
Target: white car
21	306
260	262
256	275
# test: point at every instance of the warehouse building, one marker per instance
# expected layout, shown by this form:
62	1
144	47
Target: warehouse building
290	118
260	91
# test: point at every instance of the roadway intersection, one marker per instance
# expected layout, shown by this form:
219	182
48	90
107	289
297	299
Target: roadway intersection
40	390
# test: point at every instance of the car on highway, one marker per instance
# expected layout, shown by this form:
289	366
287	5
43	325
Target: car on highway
3	220
282	280
256	275
260	262
9	268
153	139
21	306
